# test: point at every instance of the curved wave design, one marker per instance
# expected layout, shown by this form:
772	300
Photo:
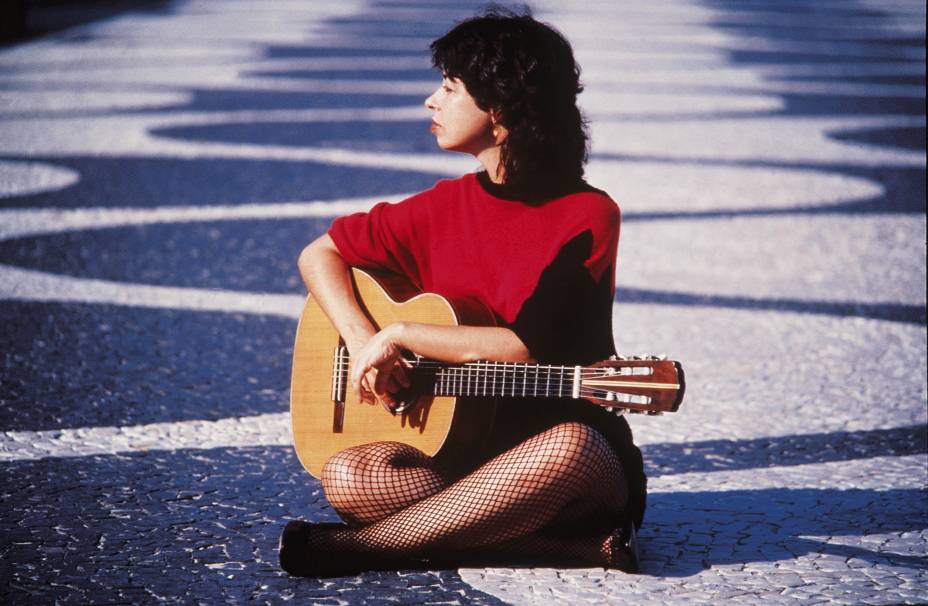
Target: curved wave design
161	167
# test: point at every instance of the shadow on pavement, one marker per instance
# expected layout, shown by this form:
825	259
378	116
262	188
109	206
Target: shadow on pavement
687	532
892	312
759	453
37	18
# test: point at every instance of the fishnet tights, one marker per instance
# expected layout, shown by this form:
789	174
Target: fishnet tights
528	500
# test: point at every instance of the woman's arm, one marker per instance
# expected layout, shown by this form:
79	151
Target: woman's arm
378	368
328	279
459	344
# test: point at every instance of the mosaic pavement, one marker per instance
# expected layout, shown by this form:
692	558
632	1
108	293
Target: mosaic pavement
161	169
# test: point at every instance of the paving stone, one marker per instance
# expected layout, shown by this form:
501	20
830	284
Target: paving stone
770	166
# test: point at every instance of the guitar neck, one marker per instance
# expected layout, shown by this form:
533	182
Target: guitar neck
642	385
499	379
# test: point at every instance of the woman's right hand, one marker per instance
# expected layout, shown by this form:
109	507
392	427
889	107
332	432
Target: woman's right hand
378	369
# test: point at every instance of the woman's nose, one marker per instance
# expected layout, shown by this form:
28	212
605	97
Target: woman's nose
430	101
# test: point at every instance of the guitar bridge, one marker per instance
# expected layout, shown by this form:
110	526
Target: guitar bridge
339	387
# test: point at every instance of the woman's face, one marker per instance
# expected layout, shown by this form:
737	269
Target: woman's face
457	122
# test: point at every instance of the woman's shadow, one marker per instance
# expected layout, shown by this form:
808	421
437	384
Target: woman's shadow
685	532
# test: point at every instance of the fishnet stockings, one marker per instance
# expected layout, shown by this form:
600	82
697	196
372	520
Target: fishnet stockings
535	498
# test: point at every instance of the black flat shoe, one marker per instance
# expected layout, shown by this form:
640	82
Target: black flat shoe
297	558
294	543
624	547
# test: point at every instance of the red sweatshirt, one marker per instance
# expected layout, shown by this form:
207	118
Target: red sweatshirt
546	270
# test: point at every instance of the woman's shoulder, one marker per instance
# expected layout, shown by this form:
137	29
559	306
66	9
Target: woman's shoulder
429	200
595	198
591	206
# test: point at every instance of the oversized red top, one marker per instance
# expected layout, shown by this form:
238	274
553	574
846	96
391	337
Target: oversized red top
546	270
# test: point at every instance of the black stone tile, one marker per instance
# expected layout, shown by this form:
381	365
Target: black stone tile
68	365
165	547
148	182
408	136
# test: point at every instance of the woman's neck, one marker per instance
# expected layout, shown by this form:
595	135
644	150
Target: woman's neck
490	159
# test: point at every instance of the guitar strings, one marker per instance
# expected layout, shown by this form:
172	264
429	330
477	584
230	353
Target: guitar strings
498	365
507	368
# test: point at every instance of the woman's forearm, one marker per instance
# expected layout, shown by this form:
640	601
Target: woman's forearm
328	279
459	344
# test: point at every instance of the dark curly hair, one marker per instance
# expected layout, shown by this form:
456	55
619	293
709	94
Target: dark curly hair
523	71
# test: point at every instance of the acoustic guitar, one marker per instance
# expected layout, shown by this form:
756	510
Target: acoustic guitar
451	407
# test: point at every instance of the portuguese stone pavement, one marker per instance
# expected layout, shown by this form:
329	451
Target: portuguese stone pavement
161	168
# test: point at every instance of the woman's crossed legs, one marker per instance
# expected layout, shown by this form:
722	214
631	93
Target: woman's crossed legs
401	507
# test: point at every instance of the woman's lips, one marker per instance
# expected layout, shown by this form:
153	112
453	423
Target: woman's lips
435	126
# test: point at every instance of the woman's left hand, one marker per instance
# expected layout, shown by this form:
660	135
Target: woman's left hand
379	369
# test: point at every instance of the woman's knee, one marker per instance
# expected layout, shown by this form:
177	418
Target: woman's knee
347	466
589	455
368	482
352	469
576	438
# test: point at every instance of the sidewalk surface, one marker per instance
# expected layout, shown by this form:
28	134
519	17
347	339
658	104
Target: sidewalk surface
160	170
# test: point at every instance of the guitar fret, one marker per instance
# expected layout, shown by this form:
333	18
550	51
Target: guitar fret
484	377
535	391
514	370
548	381
560	386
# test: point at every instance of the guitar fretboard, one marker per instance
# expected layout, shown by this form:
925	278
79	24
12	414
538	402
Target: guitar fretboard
511	379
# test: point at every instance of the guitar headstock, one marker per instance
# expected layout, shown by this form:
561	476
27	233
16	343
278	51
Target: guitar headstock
645	384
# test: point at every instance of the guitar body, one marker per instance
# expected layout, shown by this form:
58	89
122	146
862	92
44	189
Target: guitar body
439	425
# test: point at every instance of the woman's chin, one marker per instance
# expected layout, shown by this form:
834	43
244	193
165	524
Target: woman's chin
444	144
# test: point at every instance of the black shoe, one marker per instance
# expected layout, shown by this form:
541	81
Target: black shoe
624	545
301	556
294	548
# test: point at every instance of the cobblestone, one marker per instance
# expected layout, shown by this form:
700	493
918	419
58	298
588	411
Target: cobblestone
156	186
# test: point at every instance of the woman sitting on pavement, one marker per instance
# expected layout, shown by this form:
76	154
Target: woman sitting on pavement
560	482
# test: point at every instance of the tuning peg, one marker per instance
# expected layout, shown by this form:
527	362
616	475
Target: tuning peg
609	408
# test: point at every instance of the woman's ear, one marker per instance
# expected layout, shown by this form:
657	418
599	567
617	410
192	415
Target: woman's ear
498	131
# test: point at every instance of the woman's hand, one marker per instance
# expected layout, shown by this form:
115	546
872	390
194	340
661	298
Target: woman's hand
379	370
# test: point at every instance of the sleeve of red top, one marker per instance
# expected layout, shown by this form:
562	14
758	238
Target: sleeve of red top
382	238
568	317
605	226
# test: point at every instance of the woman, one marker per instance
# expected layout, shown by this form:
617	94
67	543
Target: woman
560	481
